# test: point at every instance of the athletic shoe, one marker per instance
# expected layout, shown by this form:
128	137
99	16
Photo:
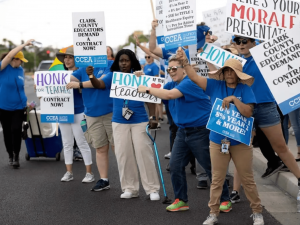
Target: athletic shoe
234	197
271	171
168	156
128	194
67	177
101	185
226	207
178	205
168	167
89	177
161	120
257	219
16	164
284	169
202	184
211	220
158	126
77	154
154	196
10	161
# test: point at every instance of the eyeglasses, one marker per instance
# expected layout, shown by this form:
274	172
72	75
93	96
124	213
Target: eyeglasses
208	32
243	41
173	68
147	57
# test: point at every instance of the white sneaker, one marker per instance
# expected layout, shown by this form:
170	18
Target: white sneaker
168	156
211	220
89	177
67	177
154	196
129	195
258	219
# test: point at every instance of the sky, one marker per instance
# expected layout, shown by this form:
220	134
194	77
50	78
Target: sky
50	21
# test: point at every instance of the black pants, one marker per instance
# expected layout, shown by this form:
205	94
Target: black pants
11	122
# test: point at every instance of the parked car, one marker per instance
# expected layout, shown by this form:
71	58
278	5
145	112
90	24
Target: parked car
44	65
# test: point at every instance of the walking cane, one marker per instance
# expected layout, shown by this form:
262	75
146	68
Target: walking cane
166	200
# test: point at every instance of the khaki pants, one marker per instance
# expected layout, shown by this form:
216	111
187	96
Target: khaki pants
242	156
134	154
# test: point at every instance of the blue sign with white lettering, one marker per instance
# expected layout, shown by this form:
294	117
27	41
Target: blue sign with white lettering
290	105
230	123
180	39
57	118
92	60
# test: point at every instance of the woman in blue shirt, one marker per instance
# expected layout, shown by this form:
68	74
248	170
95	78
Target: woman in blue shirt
133	148
12	106
233	86
190	108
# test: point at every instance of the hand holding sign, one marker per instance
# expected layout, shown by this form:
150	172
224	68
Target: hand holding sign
154	24
180	55
226	101
138	73
89	70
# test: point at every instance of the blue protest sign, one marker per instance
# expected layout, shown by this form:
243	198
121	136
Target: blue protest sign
230	123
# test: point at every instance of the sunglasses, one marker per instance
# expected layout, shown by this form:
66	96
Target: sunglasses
243	41
173	68
147	57
16	59
208	32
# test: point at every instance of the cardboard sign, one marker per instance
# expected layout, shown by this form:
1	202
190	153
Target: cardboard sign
179	23
278	61
201	64
57	103
217	55
261	19
125	85
230	123
160	17
89	39
216	20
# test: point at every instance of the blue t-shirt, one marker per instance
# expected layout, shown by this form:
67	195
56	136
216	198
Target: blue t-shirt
96	101
218	89
167	53
12	88
163	69
151	69
260	88
78	102
138	108
193	108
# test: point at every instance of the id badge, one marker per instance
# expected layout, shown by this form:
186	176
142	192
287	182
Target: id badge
128	114
225	146
124	109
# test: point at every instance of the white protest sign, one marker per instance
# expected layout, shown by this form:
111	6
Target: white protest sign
89	39
179	23
160	18
278	61
217	55
49	83
202	68
216	19
261	19
125	85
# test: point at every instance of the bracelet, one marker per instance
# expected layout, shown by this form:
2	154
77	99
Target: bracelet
80	85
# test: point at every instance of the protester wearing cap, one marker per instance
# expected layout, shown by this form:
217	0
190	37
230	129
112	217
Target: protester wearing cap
98	108
71	130
233	86
266	116
12	106
190	108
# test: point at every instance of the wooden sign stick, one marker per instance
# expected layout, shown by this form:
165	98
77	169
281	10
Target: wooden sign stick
152	9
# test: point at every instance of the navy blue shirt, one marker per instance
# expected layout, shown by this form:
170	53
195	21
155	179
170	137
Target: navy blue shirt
78	102
12	88
193	108
218	89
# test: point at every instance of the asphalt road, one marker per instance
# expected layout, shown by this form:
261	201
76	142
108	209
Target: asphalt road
33	194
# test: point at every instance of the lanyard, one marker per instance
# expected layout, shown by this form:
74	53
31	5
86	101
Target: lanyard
125	104
227	90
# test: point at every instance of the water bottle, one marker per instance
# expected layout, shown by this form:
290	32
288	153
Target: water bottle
83	125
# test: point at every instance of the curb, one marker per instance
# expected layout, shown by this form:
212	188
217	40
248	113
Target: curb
286	181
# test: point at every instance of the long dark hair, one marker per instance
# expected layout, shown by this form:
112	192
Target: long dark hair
135	64
112	51
3	56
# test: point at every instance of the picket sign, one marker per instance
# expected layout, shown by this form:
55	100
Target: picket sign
230	123
125	86
179	23
261	19
217	55
278	60
89	39
160	18
202	68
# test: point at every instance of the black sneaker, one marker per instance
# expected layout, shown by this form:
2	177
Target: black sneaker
10	161
234	197
270	171
202	184
16	164
101	185
284	169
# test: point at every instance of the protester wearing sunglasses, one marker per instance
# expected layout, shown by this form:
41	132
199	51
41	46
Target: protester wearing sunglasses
190	108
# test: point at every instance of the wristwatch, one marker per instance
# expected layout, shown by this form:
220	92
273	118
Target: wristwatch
91	76
148	90
80	85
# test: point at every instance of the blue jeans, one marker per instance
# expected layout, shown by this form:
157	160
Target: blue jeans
188	142
172	127
295	121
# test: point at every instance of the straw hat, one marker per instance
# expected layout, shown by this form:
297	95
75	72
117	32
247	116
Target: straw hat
237	66
61	55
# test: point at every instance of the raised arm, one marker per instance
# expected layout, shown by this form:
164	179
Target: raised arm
156	50
200	81
97	83
8	58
